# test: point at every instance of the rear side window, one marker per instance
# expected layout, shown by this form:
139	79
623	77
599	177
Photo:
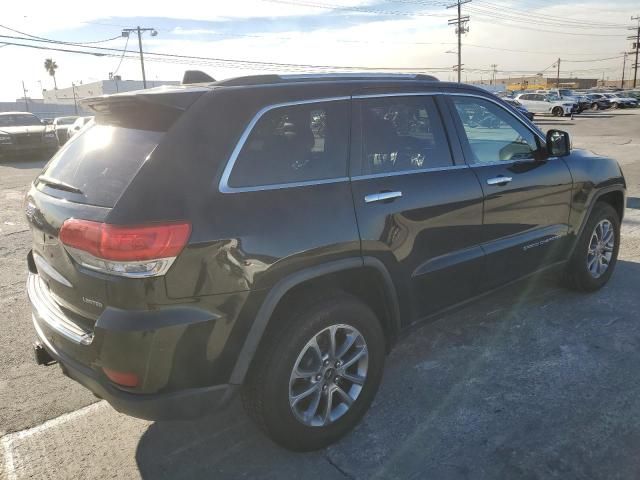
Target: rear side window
101	162
401	134
296	143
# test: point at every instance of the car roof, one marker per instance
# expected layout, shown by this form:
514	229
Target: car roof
17	113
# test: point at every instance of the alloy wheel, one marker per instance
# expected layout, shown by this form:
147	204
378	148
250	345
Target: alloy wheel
328	375
601	248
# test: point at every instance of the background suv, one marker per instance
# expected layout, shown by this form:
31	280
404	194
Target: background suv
547	104
274	235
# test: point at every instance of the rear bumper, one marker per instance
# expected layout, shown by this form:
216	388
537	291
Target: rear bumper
183	404
82	355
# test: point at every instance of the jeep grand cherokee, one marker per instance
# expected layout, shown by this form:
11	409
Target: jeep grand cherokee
273	235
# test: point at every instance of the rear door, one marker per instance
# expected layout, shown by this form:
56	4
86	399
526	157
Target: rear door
418	206
527	196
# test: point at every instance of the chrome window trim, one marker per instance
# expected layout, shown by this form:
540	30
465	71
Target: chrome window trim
396	94
224	187
407	172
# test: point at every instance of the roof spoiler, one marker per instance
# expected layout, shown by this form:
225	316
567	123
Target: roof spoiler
196	76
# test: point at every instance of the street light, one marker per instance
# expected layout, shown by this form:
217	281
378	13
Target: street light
138	30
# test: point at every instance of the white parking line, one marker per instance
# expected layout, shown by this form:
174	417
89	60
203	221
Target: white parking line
11	463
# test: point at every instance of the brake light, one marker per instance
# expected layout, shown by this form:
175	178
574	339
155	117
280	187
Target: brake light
133	251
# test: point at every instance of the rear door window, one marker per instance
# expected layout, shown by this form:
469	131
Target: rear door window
295	143
100	162
402	134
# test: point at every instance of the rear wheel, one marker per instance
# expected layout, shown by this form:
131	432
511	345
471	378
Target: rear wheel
595	106
596	251
615	105
317	372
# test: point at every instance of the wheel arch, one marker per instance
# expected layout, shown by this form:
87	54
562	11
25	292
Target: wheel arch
614	196
353	275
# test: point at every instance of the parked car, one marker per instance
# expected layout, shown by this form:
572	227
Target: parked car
546	104
632	93
598	101
22	133
621	101
61	127
519	107
78	124
569	95
254	235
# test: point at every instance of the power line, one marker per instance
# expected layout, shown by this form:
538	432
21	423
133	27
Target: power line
59	41
124	51
348	8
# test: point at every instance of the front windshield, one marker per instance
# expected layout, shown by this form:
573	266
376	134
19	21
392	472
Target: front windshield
19	120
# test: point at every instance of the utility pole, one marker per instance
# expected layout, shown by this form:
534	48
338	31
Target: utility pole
494	71
624	67
637	39
126	32
26	102
558	76
75	101
461	27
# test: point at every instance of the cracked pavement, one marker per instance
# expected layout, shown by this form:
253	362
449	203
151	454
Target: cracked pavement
531	382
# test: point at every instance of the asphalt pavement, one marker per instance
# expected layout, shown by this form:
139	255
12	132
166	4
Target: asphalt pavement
533	382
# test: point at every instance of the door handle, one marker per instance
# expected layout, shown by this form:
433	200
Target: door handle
381	197
500	180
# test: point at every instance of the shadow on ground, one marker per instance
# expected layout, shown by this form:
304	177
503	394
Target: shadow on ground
531	382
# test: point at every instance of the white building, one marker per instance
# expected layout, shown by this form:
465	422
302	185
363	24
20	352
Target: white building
95	89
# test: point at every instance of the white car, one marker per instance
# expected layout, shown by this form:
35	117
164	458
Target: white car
619	100
549	104
77	125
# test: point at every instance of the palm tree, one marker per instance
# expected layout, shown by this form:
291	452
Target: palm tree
51	66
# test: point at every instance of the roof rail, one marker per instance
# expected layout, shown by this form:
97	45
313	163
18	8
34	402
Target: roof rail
273	79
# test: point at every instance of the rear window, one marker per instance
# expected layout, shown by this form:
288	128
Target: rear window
101	162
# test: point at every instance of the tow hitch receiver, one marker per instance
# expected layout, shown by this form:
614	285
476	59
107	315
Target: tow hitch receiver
41	355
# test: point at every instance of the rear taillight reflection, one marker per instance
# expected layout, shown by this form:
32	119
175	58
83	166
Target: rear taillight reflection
133	251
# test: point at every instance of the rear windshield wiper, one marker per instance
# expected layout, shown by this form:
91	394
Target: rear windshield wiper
58	184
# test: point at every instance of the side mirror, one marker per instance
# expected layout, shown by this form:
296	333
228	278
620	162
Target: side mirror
558	143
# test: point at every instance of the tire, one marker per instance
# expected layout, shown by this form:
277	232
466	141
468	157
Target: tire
615	105
270	383
578	274
557	112
595	106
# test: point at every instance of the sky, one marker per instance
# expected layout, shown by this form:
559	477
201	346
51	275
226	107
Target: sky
518	36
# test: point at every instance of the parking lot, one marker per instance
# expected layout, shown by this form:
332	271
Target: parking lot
532	382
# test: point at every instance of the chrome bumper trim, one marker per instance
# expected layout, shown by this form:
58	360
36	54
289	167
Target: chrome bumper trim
51	314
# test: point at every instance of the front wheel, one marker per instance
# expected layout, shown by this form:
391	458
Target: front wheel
317	372
596	251
557	112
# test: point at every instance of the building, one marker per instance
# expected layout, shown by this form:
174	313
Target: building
41	109
538	82
72	94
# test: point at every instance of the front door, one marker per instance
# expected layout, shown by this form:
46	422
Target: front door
527	195
418	205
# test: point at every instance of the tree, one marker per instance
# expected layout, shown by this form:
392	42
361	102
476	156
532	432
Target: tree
51	66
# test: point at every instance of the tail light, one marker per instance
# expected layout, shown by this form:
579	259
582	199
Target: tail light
128	251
